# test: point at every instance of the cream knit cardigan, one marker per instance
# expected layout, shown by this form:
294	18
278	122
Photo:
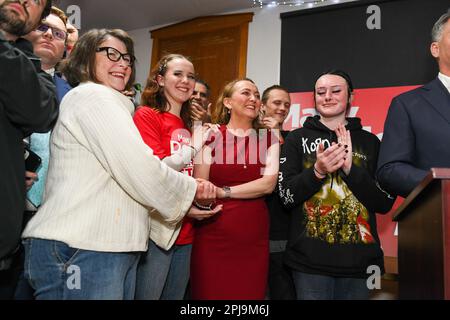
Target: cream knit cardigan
103	179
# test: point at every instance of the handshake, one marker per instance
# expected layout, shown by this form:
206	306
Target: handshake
205	197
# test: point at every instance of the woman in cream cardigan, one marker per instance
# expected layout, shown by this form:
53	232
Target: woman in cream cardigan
85	240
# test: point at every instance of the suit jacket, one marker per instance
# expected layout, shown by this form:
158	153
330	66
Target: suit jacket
416	138
62	87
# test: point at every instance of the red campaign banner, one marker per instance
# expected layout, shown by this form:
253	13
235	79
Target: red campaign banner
371	105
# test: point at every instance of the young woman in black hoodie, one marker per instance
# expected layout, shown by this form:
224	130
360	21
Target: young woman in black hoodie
327	180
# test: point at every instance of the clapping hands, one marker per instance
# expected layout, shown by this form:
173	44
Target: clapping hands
337	156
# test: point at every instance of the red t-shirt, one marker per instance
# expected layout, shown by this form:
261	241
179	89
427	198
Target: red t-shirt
164	132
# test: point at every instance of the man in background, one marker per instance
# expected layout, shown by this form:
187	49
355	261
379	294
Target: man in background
27	104
72	37
200	105
49	43
417	128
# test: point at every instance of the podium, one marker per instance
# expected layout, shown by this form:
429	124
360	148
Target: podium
424	239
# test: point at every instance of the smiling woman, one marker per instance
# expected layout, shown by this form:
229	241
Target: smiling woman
231	250
163	121
332	197
113	68
91	64
101	180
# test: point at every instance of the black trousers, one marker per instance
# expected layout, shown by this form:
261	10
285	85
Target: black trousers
13	285
9	278
281	285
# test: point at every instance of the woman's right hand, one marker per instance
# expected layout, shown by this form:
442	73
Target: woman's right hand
199	214
206	191
329	160
201	134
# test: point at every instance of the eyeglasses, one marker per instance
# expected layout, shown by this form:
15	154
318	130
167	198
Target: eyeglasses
57	33
115	55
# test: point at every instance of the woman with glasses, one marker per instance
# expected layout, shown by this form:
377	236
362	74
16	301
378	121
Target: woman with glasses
327	171
84	241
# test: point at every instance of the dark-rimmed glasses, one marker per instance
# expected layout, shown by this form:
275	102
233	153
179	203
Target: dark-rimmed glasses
57	33
114	55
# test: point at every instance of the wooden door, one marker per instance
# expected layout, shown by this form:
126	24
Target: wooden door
217	46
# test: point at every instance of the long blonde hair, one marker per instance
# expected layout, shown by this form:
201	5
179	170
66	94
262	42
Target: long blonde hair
221	114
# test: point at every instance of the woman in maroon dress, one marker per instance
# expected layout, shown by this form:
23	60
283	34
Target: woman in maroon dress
231	250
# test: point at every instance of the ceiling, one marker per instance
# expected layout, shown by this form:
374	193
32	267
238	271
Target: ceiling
136	14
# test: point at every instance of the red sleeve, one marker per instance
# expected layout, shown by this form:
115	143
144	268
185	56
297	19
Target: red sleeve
149	125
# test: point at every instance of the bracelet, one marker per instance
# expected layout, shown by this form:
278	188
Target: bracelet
195	150
318	172
202	207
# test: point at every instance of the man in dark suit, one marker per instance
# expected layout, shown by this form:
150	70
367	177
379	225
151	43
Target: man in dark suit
417	128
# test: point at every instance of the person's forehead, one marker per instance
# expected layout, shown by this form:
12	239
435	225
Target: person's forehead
245	84
278	92
178	63
447	26
54	21
200	87
330	80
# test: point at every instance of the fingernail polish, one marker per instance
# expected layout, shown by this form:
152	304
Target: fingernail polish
346	146
339	144
346	151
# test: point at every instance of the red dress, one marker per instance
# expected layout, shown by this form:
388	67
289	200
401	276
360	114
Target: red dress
230	253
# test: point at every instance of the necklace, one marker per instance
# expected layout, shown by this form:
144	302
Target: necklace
246	151
238	151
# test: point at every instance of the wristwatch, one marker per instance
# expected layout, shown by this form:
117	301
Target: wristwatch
227	191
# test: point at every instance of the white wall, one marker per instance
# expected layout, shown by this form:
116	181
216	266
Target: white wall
142	51
264	46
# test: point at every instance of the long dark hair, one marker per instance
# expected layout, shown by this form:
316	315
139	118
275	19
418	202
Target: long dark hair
153	95
80	66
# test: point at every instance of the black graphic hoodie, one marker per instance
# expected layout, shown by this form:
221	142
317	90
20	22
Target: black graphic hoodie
333	228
